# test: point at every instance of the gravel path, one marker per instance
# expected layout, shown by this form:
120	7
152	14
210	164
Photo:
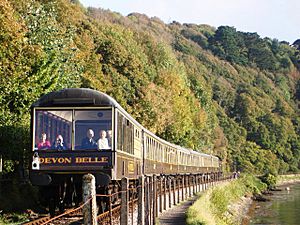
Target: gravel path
176	215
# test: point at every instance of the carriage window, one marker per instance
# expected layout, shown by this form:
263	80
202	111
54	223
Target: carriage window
93	129
53	129
125	132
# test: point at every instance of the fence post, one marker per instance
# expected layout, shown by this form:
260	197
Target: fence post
170	192
147	198
160	194
110	206
183	188
174	190
190	186
200	182
165	192
178	188
196	183
187	186
124	201
141	201
154	212
89	191
193	185
151	199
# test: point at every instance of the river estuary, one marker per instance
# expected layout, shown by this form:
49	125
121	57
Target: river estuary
283	209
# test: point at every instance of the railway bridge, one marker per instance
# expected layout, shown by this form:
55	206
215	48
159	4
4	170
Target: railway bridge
135	204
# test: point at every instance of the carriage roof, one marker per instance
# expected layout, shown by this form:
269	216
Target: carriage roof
76	96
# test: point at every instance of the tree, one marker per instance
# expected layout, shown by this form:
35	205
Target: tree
296	44
228	44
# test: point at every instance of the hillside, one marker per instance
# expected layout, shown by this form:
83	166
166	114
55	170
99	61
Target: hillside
216	90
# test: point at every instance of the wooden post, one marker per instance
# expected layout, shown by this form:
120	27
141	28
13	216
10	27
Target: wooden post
89	191
170	192
124	201
183	187
131	198
174	190
200	182
187	186
150	199
178	189
154	212
193	185
165	192
147	197
110	206
141	201
196	183
190	187
160	194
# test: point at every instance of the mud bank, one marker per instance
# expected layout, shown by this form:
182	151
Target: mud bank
238	212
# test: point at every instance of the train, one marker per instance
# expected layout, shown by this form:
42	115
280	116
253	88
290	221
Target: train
76	131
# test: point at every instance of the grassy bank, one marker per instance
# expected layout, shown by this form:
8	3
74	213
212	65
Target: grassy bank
219	204
13	218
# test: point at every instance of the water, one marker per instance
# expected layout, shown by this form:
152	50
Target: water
283	209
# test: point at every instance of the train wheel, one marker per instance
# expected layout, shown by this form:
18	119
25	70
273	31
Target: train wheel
102	201
61	206
115	197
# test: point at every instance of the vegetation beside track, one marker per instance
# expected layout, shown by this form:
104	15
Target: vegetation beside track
13	218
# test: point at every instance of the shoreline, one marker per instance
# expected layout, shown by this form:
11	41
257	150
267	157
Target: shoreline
292	179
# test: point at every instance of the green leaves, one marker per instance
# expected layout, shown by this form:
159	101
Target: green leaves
239	103
251	50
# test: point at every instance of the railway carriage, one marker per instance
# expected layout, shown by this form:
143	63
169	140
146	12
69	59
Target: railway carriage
69	116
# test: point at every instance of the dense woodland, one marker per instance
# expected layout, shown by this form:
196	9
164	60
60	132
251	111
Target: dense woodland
217	90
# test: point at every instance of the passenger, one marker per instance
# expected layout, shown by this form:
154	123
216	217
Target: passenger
59	143
44	144
102	141
109	138
88	142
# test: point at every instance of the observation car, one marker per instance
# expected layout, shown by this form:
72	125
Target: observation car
62	124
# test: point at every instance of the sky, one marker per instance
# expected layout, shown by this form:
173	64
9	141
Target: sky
278	19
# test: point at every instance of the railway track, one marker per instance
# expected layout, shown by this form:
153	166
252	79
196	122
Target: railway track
74	216
38	221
